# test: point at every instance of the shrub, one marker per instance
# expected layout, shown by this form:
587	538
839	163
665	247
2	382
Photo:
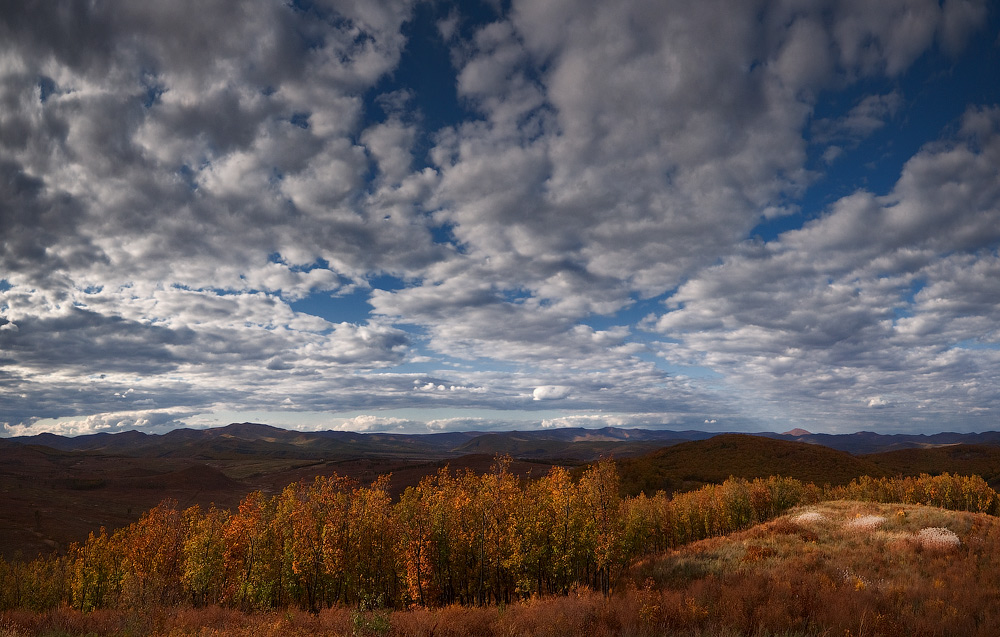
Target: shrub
938	538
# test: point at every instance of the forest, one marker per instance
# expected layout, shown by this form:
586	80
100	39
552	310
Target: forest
456	538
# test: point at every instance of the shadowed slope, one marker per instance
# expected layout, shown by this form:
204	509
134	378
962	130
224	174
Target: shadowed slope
981	460
692	464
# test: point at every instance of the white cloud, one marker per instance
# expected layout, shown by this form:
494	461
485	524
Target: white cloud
377	424
874	296
110	422
878	402
550	392
468	424
167	194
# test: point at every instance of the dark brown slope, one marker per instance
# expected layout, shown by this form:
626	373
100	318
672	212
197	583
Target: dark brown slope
50	498
692	464
866	442
526	445
981	460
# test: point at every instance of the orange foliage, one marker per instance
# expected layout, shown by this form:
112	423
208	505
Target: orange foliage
464	539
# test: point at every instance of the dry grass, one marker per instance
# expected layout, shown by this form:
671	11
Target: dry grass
865	523
808	517
845	568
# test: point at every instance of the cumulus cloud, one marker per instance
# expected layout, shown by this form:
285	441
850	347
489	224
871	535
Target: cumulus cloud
878	402
879	293
600	420
550	392
438	425
378	424
111	422
869	115
170	199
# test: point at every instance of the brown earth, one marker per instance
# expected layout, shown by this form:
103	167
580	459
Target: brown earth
50	498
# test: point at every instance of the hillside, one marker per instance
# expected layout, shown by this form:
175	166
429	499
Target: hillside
981	460
692	464
578	449
866	442
50	498
826	568
833	568
54	490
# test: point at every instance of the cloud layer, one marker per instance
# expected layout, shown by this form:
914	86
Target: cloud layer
583	233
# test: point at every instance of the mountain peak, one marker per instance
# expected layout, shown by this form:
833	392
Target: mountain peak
251	430
797	432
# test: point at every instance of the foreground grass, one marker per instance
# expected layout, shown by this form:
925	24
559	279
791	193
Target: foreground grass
833	568
839	568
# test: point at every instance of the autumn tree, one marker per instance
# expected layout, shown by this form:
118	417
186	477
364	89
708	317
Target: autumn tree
252	554
375	570
599	487
38	585
499	506
453	532
153	557
552	533
204	575
414	523
301	518
96	571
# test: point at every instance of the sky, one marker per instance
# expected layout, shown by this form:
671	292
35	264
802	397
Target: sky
398	216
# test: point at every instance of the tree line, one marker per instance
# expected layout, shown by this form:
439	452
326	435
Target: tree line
455	538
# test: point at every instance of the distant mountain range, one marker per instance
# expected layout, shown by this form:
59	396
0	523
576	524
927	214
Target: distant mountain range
570	444
870	442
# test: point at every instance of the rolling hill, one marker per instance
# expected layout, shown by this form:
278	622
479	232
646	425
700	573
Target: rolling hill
692	464
981	460
833	568
866	442
575	445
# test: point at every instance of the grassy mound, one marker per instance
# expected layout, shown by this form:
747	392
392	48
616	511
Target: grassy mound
834	568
